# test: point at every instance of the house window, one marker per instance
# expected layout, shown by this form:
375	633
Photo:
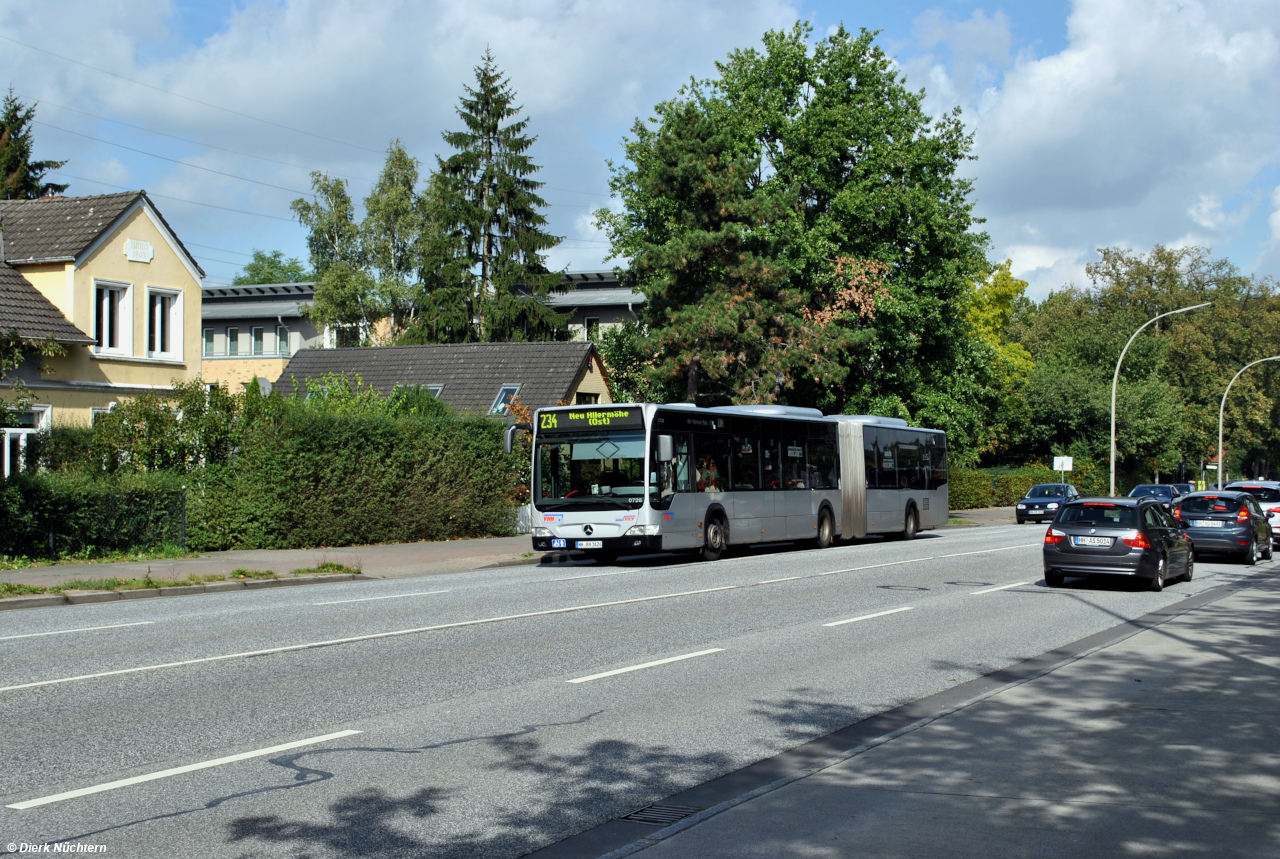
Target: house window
436	390
592	324
503	400
282	341
208	342
98	411
582	398
164	323
259	341
233	341
15	438
110	317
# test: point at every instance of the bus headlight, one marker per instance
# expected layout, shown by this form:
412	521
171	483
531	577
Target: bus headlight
541	532
641	531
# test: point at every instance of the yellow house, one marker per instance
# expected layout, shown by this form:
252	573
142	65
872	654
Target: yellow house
111	266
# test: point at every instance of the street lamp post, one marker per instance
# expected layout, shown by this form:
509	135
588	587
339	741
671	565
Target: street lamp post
1115	380
1222	478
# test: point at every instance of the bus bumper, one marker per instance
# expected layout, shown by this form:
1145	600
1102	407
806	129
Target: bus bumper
621	545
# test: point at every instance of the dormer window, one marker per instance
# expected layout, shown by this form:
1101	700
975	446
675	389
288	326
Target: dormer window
502	403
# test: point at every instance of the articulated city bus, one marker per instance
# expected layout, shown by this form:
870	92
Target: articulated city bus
636	478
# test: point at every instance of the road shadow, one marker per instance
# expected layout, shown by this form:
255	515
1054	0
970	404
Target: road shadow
1166	746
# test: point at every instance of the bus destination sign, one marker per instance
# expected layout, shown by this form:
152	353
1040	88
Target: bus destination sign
591	419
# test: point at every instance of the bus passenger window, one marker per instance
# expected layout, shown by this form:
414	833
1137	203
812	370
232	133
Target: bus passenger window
823	466
712	452
794	469
869	441
745	454
770	462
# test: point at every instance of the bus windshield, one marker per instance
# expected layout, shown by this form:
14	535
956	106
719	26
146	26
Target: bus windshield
589	470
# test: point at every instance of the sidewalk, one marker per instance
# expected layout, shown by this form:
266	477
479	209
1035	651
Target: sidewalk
391	560
1165	743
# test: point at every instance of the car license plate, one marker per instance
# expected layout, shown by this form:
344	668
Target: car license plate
1207	523
557	543
1104	542
589	544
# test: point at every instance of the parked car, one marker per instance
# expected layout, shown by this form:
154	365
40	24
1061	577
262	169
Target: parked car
1043	500
1228	522
1134	537
1267	493
1165	493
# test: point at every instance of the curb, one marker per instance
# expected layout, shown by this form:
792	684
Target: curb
87	597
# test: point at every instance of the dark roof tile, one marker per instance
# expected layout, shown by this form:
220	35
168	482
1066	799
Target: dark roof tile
472	373
25	310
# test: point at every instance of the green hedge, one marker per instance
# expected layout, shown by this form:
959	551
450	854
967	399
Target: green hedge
1012	486
968	488
88	516
314	478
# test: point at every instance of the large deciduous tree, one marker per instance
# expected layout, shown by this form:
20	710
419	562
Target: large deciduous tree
489	201
23	178
828	132
272	267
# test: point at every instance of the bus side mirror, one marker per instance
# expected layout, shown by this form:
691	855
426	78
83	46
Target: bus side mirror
666	448
508	440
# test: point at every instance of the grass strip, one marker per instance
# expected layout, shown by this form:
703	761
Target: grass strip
327	568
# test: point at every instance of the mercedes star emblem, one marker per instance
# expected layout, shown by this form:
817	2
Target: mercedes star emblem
587	529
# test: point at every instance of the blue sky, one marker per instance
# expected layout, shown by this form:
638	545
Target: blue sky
1096	123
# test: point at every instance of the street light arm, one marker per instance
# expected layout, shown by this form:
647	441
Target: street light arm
1115	380
1222	479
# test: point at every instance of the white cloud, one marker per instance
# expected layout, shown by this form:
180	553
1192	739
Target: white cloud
1154	124
365	73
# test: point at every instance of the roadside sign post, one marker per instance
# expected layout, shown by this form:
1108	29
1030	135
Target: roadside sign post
1062	464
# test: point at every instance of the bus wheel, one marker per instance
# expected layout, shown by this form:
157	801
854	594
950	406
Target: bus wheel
912	524
715	539
826	532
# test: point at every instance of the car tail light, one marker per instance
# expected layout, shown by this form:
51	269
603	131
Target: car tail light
1053	535
1243	515
1137	540
1177	511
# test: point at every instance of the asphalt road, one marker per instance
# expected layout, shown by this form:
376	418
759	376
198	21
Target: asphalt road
479	726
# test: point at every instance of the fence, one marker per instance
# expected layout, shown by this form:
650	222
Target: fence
523	517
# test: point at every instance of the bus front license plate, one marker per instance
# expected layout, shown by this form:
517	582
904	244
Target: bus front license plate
589	544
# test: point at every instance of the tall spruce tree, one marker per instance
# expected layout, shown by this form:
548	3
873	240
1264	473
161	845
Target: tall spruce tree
23	178
493	207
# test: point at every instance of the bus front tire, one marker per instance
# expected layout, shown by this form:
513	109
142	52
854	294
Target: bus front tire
826	532
715	539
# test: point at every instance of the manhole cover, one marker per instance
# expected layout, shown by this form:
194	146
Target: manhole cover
661	815
901	588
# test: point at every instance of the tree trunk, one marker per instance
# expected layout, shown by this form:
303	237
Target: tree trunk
692	393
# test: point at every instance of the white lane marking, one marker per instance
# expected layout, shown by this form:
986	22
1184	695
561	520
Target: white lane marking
370	637
787	579
596	575
203	765
876	566
669	659
391	597
869	616
81	629
986	551
1000	588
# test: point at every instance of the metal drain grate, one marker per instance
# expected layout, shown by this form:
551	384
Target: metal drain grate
661	815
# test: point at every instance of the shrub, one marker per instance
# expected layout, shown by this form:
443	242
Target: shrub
88	515
968	489
1012	486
